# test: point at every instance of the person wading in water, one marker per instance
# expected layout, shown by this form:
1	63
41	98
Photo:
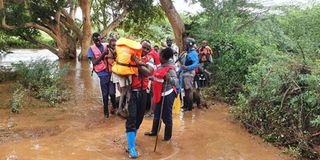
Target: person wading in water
97	54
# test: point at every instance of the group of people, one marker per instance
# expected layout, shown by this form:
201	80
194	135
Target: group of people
162	74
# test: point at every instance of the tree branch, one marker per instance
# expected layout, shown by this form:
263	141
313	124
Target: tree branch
251	20
175	20
74	28
114	23
315	135
284	97
5	26
44	29
68	21
73	10
57	19
39	44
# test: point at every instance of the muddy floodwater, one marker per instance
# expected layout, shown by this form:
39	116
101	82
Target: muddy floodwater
77	130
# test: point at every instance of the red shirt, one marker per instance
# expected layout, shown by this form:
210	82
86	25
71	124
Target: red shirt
136	79
154	54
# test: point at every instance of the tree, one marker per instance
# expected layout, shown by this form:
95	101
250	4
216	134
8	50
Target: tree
175	21
151	24
57	19
86	31
40	15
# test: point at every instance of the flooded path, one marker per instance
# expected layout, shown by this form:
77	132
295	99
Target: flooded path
77	130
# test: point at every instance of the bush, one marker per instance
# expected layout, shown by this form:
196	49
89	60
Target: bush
7	42
6	74
281	103
43	79
237	53
16	102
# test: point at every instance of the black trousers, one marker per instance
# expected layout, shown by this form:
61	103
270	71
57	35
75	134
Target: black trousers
136	108
167	109
149	101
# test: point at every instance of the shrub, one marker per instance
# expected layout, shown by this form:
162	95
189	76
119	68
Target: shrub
237	53
6	74
16	102
281	102
43	79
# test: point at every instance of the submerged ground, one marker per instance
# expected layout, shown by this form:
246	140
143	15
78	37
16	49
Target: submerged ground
77	130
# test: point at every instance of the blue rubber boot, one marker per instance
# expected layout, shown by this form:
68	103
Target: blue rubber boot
131	138
136	132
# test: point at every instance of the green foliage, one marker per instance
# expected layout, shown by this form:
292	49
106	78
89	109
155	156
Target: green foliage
3	44
143	19
281	102
294	151
268	67
16	102
36	12
149	23
7	42
6	74
238	50
44	80
229	70
299	25
316	122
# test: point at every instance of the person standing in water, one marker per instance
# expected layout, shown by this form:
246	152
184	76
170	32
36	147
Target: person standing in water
97	54
137	102
164	89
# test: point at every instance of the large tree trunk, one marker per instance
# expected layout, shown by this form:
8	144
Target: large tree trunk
68	49
86	31
175	21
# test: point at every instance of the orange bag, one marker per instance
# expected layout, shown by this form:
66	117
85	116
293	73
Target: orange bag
125	48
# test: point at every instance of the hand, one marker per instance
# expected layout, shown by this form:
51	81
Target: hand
133	57
105	52
167	76
184	67
141	63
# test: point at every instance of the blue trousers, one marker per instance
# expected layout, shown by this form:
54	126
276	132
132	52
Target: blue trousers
107	88
167	109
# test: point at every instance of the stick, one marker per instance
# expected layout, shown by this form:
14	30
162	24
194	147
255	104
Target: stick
159	126
314	135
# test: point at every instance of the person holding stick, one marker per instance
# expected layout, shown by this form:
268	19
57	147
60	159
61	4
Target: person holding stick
164	92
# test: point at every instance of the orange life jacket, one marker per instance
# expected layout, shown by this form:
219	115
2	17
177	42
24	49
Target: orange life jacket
204	52
125	48
97	53
158	79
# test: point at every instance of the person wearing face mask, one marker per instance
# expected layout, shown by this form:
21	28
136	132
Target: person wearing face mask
97	54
